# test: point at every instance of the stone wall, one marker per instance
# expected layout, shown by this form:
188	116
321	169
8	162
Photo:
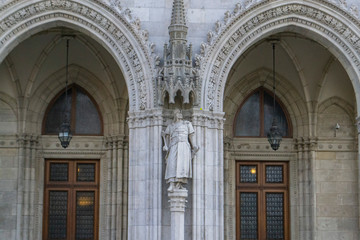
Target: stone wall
337	202
336	173
8	188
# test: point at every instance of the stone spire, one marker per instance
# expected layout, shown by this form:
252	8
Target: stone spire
178	29
177	73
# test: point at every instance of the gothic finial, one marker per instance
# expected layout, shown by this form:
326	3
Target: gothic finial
178	13
178	28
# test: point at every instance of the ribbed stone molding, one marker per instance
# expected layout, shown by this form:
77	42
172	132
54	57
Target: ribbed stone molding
177	208
248	23
113	27
115	203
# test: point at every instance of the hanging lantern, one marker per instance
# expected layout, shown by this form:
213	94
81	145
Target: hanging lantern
274	135
65	134
65	129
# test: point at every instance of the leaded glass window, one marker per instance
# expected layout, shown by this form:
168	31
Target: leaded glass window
59	172
85	172
248	173
255	116
83	113
274	174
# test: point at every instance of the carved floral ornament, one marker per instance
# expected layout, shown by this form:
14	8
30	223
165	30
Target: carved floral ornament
223	54
88	16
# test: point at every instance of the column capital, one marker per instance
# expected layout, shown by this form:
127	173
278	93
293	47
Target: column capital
25	138
306	143
208	119
140	119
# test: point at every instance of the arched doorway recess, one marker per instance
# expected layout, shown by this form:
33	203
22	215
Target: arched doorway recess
111	59
222	58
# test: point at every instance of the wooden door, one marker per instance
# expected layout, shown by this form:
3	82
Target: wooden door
71	200
262	201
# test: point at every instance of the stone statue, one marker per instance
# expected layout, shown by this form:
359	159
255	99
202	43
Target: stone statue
180	148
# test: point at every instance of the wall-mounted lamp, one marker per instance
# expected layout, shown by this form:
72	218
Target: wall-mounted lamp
337	127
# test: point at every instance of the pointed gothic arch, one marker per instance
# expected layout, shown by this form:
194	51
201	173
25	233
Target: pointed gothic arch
325	23
86	80
117	31
286	93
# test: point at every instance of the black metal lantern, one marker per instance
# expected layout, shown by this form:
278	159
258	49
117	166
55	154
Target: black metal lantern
65	134
274	135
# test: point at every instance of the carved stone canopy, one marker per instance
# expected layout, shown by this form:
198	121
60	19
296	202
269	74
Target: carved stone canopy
177	73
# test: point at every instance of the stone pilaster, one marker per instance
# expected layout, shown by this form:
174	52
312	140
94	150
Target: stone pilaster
177	208
208	177
307	192
145	175
229	190
26	187
117	187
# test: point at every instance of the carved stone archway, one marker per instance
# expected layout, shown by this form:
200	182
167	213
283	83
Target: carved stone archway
114	28
322	22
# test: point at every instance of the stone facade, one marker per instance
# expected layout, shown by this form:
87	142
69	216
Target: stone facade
117	57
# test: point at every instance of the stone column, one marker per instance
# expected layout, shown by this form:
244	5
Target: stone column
117	179
26	186
177	208
208	177
229	190
358	161
307	194
311	147
145	175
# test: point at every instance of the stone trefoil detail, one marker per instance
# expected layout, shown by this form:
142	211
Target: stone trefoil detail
177	73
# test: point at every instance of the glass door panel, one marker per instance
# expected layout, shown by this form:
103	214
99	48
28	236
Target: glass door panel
57	215
85	214
249	215
275	216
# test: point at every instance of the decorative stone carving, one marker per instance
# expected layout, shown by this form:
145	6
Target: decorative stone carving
258	24
178	73
180	147
306	144
35	12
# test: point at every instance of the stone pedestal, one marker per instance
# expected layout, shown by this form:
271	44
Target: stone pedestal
177	209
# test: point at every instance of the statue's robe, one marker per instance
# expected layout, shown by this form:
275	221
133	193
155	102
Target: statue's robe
178	167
